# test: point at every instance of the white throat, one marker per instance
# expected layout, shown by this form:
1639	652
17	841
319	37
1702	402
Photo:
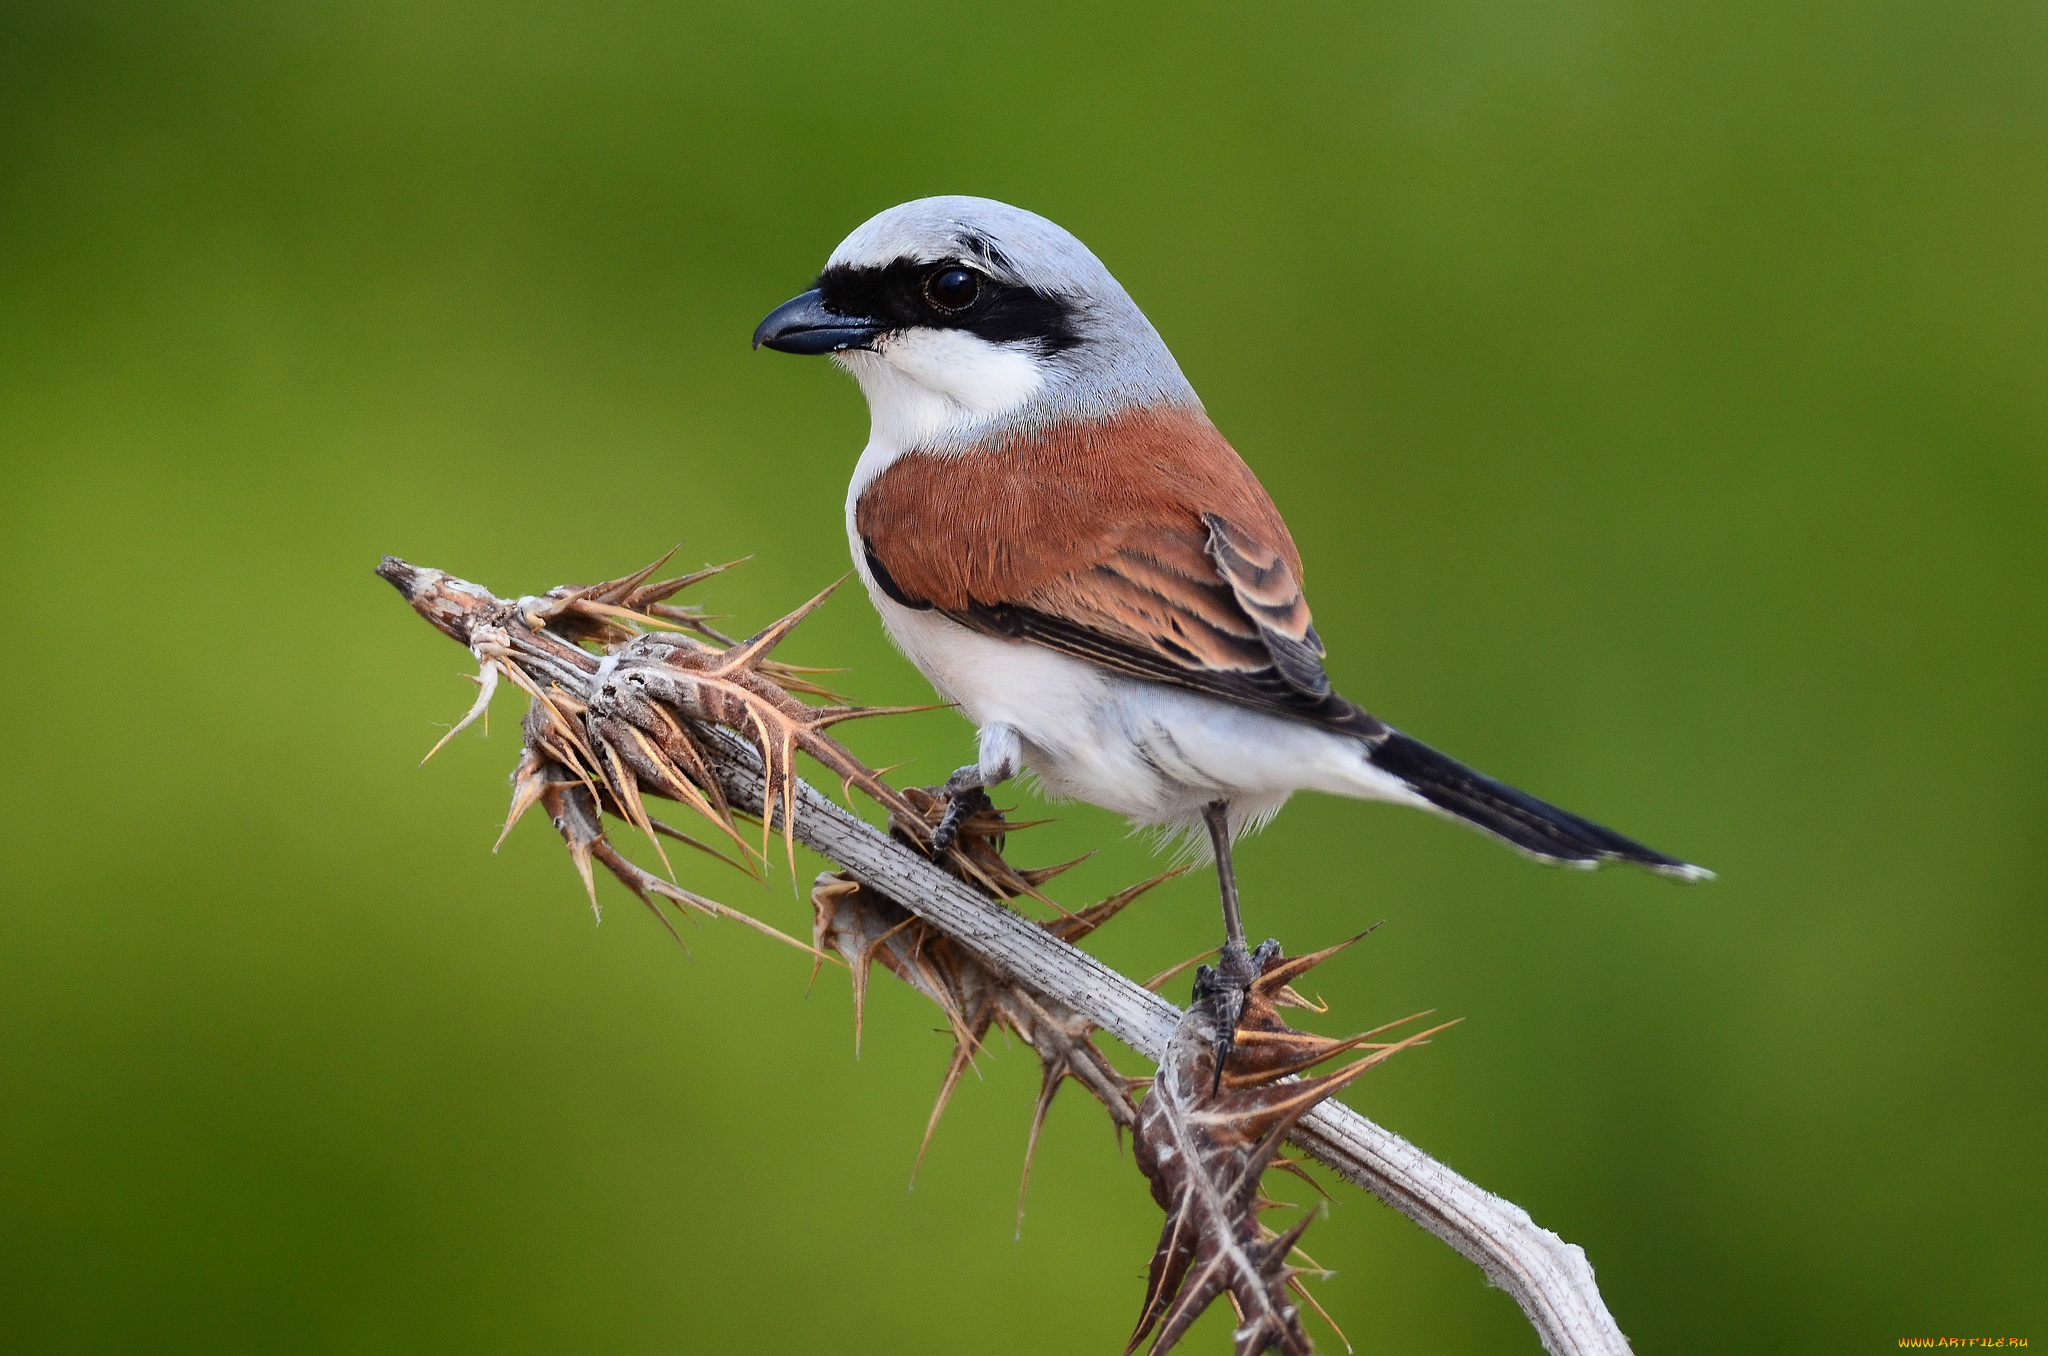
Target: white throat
930	388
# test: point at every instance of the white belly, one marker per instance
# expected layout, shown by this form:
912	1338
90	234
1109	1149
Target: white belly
1153	753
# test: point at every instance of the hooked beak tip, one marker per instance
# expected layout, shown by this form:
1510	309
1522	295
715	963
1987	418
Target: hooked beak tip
804	325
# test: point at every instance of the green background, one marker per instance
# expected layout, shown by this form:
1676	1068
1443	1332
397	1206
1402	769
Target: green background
1656	392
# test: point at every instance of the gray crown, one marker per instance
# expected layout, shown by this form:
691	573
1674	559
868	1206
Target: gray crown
1120	360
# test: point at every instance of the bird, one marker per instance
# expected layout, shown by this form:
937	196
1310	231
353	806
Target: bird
1059	538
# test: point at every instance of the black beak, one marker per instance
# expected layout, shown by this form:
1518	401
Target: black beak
803	325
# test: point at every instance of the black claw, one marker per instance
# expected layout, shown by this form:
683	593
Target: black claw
1229	984
961	806
1226	1040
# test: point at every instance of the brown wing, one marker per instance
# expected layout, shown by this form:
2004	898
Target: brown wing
1143	543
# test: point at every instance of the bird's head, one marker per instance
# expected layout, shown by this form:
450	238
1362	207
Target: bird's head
960	316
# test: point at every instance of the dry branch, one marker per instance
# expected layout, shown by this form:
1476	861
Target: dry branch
531	641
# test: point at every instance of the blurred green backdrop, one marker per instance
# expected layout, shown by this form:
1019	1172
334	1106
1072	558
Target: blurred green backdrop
1656	392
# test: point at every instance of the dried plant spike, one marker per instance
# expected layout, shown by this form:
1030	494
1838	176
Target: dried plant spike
686	778
1206	1136
712	906
529	779
1159	980
614	863
955	1066
583	610
645	884
763	642
670	831
614	589
976	856
824	717
1301	1292
575	752
1050	1078
1293	1168
590	607
976	959
579	853
626	790
697	622
836	917
1075	926
1286	970
643	598
1039	875
866	928
487	687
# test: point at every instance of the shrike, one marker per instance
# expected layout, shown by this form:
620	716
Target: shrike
1058	537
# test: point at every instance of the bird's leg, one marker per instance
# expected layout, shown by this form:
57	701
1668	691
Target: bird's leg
966	791
1236	967
1216	814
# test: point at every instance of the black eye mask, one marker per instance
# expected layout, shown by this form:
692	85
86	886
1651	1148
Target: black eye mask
899	295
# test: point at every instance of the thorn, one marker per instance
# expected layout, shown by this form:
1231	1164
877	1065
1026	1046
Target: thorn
1293	1168
954	1068
1164	975
626	789
1095	915
668	588
1039	875
486	679
825	717
637	881
530	782
580	854
1292	967
591	608
1301	1291
687	785
1048	1087
681	761
763	642
639	576
781	667
670	831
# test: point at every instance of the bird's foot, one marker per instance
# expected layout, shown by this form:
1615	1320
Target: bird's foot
1228	985
963	802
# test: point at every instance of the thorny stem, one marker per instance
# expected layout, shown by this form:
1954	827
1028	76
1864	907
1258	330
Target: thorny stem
1549	1278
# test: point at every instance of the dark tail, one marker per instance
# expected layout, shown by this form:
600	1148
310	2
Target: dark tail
1516	817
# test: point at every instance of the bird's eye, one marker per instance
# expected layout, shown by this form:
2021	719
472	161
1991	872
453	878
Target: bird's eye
952	289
